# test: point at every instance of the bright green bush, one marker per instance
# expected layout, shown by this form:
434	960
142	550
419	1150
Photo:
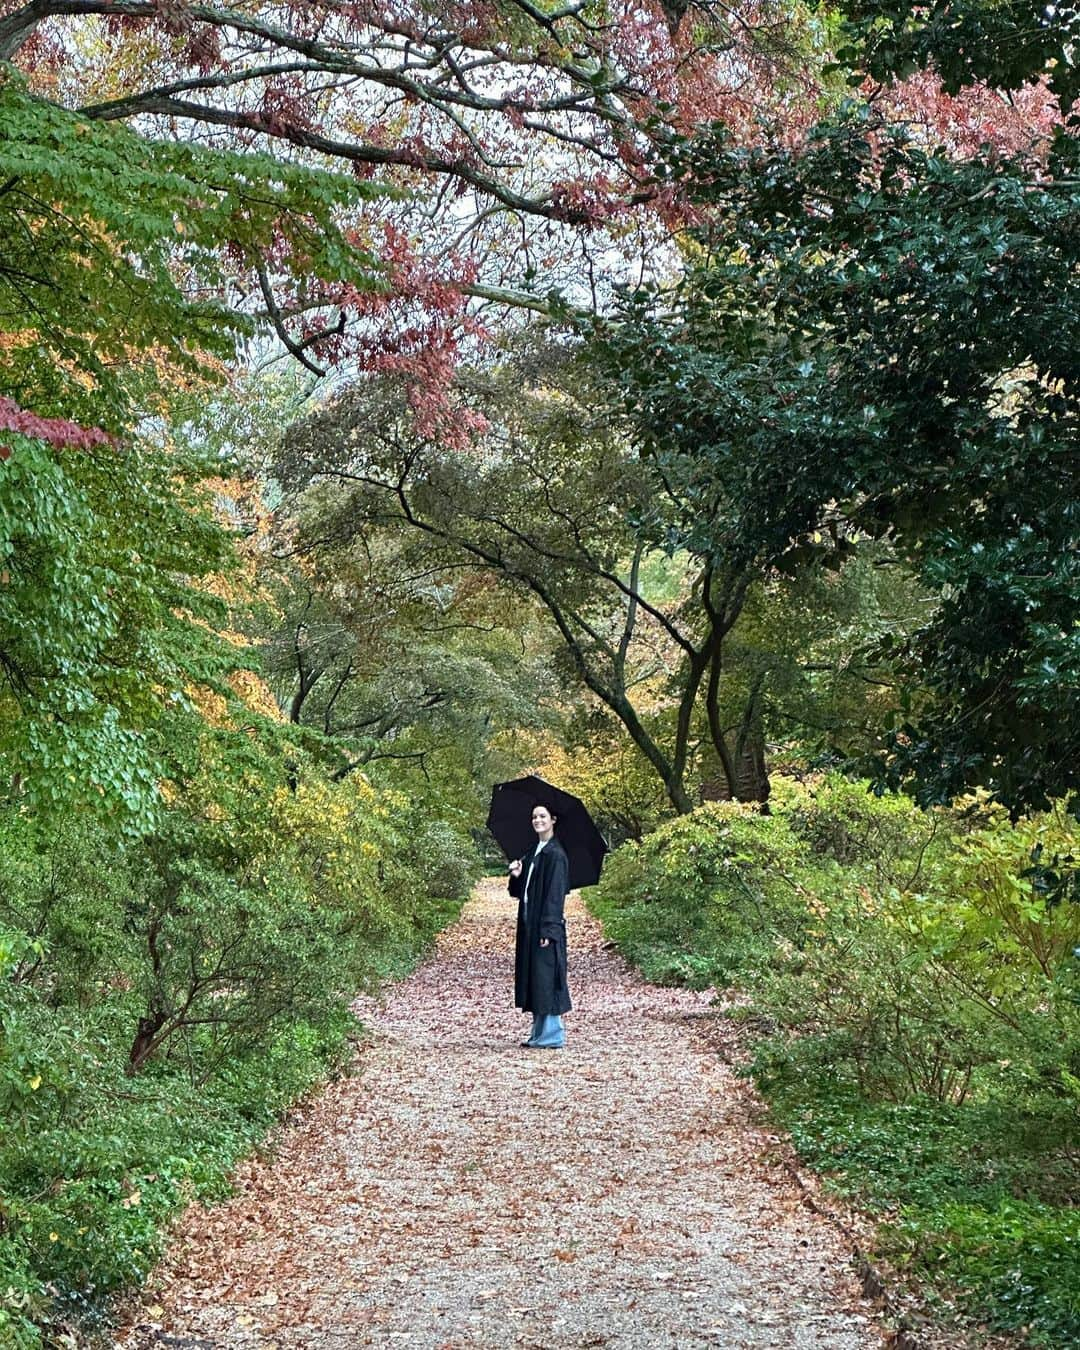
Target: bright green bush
931	959
163	1000
705	895
915	999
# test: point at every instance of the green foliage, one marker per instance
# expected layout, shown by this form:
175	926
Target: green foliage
935	969
1018	1260
807	644
915	1002
805	389
119	252
445	857
597	762
87	1184
571	521
704	895
163	999
978	1199
106	619
432	647
118	246
1004	45
387	656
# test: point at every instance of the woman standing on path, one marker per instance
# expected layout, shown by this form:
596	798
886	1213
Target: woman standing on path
539	881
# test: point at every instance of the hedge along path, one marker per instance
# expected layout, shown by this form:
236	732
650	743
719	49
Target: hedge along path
462	1191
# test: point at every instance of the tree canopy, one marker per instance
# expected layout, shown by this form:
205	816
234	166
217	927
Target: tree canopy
877	340
1004	45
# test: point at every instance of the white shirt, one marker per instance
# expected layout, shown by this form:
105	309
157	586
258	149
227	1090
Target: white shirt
532	869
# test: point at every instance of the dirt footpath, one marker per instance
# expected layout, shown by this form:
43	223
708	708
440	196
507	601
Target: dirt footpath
462	1191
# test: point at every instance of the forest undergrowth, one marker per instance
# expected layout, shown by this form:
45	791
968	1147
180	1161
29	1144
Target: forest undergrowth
910	999
166	1002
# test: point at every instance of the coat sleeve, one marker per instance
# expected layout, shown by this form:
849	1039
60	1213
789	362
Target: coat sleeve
513	885
551	910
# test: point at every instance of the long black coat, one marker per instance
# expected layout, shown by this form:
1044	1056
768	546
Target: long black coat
540	972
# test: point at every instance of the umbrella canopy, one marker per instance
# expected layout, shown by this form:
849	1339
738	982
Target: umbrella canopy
510	821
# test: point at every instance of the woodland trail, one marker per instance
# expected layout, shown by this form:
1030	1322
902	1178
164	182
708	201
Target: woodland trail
461	1191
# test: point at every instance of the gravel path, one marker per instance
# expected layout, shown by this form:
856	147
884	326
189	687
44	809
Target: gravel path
462	1191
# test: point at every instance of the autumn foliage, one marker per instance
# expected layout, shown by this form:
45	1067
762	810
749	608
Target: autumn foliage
394	392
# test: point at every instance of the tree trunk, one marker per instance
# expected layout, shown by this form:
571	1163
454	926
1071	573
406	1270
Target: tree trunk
146	1041
752	774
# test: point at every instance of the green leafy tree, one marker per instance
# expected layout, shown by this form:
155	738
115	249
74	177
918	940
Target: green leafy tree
553	503
118	251
877	341
389	661
381	659
1002	43
105	624
804	658
119	248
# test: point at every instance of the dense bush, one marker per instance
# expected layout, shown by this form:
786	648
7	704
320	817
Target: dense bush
163	999
706	895
916	1002
444	857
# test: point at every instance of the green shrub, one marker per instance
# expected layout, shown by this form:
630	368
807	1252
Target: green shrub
705	895
916	1001
163	1000
1019	1263
931	960
979	1199
445	858
87	1187
884	838
22	1295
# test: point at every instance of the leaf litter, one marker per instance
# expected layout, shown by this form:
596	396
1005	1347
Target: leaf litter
457	1190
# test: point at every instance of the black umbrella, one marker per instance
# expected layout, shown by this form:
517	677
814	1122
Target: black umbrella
510	821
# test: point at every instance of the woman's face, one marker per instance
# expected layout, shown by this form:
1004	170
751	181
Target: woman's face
542	820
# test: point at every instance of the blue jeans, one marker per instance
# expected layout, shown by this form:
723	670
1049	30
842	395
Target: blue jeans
547	1032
